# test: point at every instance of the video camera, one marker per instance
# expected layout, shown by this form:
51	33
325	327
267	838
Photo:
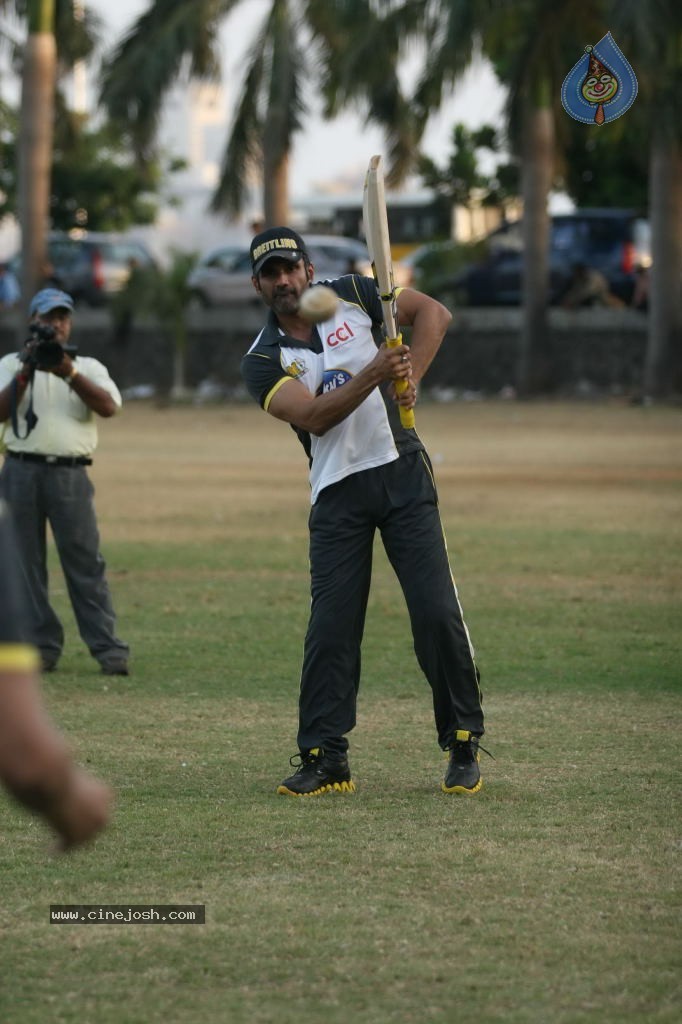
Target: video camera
42	348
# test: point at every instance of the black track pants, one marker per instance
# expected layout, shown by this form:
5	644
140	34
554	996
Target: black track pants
400	500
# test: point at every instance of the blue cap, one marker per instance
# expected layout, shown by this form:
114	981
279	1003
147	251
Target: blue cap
48	299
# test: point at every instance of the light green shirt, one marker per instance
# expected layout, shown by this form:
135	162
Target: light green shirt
65	424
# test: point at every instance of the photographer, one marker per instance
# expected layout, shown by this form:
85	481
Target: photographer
48	398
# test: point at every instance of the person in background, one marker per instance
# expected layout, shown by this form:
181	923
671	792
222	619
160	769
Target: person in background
640	293
587	287
9	287
49	401
48	277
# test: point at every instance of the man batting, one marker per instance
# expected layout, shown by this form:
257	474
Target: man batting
334	383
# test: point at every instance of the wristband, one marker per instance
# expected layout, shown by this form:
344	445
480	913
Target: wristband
74	373
22	378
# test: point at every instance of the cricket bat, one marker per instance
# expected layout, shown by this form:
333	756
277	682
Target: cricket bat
379	246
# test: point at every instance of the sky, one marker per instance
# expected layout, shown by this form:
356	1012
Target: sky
326	151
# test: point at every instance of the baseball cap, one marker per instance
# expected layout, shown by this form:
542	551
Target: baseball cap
48	299
285	243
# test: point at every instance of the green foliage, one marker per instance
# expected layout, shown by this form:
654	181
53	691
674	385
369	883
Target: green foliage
171	294
77	37
158	291
365	74
532	45
650	35
169	39
96	181
270	109
97	184
294	43
435	265
608	166
461	178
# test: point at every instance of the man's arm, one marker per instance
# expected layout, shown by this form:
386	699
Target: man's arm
317	414
91	394
37	768
22	378
35	764
429	321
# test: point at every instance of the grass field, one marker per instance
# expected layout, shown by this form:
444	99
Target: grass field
551	898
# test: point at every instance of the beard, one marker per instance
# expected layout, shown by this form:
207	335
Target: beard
285	301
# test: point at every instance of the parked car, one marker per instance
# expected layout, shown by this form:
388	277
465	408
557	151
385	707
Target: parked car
223	275
94	266
613	241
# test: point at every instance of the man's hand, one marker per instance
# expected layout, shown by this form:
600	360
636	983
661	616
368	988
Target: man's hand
408	398
393	363
81	811
62	369
38	769
27	357
26	353
319	413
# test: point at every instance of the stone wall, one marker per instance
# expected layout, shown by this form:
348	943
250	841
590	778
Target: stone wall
589	351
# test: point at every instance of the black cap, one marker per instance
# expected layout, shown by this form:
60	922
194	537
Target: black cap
285	243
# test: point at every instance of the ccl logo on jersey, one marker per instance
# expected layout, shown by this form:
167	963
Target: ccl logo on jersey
341	334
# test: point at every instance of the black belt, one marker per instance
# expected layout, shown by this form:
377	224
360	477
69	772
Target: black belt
51	460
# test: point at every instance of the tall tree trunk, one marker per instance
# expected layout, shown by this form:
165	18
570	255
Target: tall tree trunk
665	305
276	188
179	386
536	178
35	141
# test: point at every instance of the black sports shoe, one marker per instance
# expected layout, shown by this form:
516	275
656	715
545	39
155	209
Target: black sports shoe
463	774
118	667
317	773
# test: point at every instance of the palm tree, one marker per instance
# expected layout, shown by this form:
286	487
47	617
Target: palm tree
298	39
651	35
35	139
270	111
531	44
53	35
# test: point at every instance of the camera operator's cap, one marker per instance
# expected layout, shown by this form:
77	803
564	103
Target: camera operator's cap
284	243
48	299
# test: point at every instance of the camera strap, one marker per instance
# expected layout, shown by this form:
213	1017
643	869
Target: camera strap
31	418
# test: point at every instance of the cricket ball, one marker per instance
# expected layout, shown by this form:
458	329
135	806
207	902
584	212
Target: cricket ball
318	303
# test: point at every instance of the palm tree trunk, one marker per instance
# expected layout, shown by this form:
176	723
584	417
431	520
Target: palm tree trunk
179	387
665	306
275	188
536	178
35	140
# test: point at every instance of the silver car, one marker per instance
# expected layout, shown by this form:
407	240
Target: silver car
223	276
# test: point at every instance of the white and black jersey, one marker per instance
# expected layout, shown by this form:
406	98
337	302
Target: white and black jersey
340	348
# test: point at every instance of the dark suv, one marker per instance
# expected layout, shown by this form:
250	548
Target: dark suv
93	267
613	241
